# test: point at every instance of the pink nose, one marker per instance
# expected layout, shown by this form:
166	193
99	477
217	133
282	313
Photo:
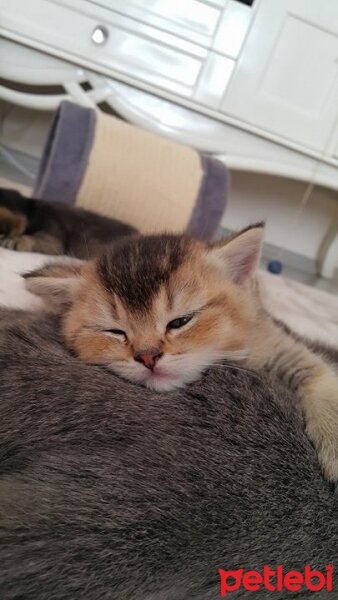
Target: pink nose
148	357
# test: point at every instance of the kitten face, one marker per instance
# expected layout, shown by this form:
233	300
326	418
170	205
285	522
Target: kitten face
158	310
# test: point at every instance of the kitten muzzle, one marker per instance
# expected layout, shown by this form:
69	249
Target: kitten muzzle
148	357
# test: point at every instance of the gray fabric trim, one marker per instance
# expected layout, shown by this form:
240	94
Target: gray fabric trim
211	199
66	153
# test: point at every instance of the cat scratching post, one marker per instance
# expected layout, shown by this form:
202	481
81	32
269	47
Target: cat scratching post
103	164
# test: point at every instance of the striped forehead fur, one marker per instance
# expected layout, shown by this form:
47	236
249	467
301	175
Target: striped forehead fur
134	269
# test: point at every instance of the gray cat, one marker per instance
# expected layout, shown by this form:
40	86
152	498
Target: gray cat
109	490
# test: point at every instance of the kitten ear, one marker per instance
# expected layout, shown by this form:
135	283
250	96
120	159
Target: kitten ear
55	283
239	256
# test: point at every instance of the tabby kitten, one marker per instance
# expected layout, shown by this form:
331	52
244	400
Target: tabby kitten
30	225
158	310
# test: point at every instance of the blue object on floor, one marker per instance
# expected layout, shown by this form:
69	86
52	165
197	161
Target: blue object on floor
275	266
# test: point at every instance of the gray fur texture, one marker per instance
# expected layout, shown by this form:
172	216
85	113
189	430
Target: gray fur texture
109	491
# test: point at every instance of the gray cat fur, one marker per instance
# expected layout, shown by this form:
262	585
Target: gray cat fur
109	491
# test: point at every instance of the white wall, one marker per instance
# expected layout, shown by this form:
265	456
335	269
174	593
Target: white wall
257	197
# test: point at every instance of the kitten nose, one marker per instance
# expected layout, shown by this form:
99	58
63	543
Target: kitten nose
148	357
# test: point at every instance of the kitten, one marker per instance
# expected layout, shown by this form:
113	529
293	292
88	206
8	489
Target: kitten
159	310
31	225
109	490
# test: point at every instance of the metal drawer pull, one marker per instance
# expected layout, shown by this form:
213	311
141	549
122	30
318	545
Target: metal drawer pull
100	35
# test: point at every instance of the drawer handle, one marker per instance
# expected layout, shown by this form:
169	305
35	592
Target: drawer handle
100	35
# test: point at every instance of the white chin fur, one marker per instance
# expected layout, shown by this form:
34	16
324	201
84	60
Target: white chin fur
175	370
168	384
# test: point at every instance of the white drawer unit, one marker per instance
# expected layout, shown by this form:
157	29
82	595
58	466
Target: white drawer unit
252	81
182	47
270	67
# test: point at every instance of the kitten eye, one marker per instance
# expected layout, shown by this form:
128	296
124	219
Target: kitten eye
179	322
118	332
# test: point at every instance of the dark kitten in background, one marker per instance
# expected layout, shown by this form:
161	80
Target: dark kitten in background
111	491
31	225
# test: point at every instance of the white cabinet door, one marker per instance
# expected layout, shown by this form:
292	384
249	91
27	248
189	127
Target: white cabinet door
286	80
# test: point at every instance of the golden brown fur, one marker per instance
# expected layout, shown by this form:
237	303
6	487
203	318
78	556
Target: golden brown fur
158	310
222	325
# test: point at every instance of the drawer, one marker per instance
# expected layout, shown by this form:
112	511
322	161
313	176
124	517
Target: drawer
132	49
194	20
187	48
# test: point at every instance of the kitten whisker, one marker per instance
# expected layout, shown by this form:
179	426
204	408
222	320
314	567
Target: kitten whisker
236	355
235	368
